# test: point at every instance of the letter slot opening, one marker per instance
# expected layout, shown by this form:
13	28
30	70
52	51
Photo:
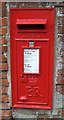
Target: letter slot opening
31	25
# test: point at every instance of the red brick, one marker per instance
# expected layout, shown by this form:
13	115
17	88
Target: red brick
4	82
60	76
6	113
60	89
3	66
62	10
3	49
4	98
62	49
3	31
2	4
3	21
3	90
55	116
0	112
3	12
3	75
61	38
61	20
3	40
60	81
61	72
61	112
42	117
4	106
2	58
60	29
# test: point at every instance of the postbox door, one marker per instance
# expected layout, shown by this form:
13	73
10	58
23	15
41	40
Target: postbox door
32	72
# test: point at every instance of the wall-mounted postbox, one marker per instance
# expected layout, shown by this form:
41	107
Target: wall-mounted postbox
32	36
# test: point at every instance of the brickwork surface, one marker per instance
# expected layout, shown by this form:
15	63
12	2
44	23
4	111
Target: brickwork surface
4	84
5	80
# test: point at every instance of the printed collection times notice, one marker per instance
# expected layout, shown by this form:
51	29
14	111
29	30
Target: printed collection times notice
31	60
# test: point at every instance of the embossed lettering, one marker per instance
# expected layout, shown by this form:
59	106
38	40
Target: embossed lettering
33	91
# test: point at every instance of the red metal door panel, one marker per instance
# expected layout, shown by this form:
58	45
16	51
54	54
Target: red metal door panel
32	83
32	57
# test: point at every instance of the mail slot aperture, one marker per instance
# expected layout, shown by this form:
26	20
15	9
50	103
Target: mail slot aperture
31	25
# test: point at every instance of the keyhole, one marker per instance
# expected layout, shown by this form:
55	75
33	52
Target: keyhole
22	76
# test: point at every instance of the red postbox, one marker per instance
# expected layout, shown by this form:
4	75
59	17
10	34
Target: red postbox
32	38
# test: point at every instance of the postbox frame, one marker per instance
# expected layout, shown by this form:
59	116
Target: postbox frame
14	81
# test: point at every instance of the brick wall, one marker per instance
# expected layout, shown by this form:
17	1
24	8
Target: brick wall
5	79
4	83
